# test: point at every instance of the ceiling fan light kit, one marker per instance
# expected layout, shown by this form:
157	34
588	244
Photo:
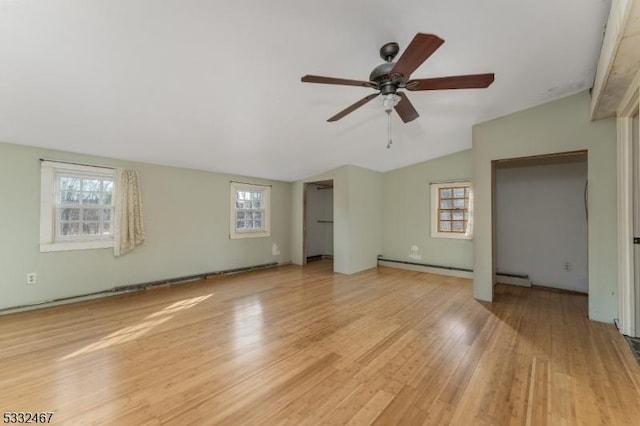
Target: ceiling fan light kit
389	77
390	101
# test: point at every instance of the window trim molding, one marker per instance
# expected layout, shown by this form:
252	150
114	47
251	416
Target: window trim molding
435	189
233	188
48	243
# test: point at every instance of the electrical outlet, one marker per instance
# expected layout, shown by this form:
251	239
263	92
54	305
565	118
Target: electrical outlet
32	278
567	266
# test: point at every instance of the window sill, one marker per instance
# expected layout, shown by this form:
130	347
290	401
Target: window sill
451	236
76	245
242	235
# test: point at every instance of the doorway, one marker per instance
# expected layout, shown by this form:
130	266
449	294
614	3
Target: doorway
540	221
318	220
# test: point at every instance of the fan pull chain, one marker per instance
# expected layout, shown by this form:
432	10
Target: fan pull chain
389	128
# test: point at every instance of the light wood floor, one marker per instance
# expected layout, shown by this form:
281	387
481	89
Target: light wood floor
295	345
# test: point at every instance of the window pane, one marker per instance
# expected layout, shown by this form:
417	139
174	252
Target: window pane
91	214
240	215
256	196
458	215
106	198
106	228
257	215
445	193
458	204
90	198
444	227
91	185
458	226
240	224
106	214
445	204
69	214
445	215
458	193
67	228
69	197
257	204
69	182
257	224
107	185
91	228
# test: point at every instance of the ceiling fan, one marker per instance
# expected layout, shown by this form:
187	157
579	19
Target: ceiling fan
387	78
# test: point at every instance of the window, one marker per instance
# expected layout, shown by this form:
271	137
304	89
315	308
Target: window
249	210
451	210
76	207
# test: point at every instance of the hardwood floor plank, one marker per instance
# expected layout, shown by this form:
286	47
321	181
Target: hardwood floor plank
305	346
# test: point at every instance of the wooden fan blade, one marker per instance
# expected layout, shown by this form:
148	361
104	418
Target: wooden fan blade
352	108
421	47
340	81
405	109
471	81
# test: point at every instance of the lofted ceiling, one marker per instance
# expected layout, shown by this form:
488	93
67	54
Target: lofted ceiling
215	85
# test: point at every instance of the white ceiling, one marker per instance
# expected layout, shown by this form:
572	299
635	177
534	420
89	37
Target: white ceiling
216	85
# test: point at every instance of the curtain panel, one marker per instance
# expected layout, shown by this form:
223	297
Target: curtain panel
128	221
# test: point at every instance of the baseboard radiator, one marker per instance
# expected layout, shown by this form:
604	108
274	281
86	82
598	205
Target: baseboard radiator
138	287
453	271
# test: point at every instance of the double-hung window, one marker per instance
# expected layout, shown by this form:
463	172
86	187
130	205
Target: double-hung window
451	210
250	215
76	207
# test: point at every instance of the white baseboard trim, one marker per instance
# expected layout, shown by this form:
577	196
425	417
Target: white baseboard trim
428	269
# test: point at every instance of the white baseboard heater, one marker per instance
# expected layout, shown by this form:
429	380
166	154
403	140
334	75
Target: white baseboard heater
134	287
453	271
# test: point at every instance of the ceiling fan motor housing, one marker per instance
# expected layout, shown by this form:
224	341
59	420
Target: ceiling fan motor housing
380	75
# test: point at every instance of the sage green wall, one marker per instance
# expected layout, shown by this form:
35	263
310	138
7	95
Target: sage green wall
186	218
558	126
365	218
407	212
357	218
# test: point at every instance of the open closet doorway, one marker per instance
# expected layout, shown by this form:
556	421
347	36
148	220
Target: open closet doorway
540	221
318	220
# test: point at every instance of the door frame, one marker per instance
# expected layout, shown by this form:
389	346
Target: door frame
304	222
626	287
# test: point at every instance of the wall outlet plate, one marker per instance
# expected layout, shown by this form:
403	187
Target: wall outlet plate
32	278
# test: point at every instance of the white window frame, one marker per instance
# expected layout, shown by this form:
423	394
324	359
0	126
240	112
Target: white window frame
235	233
435	204
48	204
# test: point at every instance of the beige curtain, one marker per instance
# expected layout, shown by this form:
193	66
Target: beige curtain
128	221
469	233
